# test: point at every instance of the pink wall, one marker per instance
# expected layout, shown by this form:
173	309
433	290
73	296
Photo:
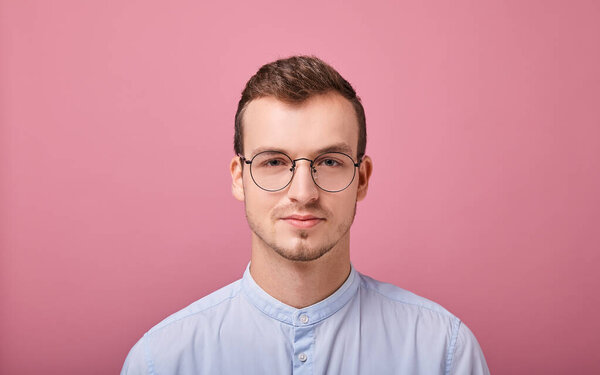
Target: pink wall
116	132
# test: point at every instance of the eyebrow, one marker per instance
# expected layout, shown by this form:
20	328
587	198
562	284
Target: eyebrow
337	147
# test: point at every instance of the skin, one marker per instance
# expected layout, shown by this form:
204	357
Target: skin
299	265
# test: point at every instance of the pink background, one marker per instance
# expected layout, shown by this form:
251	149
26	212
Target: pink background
116	134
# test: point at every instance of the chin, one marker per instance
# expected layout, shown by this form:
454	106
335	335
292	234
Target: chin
300	256
302	251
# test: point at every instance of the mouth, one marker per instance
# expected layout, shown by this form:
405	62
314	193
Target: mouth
302	221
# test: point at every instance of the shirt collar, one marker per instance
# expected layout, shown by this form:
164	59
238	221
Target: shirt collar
299	317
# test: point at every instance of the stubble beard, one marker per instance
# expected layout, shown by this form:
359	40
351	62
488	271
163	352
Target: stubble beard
302	252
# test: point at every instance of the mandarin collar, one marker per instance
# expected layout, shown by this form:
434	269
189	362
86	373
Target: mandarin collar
299	317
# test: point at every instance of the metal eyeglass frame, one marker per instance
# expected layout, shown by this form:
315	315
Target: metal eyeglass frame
293	169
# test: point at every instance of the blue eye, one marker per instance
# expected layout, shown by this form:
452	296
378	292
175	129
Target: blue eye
274	163
328	162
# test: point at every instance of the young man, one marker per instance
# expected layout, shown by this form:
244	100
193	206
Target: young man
300	307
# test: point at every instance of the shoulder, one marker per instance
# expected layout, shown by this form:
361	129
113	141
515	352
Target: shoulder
393	295
432	323
175	333
202	307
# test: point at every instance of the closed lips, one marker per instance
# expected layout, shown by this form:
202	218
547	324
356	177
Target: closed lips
302	221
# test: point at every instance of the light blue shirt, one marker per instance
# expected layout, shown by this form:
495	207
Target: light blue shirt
365	327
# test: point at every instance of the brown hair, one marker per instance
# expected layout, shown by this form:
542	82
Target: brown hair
293	80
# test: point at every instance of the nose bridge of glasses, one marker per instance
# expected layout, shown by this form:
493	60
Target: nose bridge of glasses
308	160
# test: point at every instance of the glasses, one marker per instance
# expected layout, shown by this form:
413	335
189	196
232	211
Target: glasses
274	170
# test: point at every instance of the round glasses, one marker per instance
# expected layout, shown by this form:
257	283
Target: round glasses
274	170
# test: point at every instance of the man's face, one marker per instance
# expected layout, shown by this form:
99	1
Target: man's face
300	222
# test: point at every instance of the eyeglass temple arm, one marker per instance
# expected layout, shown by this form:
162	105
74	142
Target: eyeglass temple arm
242	158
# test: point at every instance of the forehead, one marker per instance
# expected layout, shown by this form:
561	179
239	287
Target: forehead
300	129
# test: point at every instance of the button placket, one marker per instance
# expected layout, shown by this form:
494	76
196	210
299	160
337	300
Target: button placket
303	348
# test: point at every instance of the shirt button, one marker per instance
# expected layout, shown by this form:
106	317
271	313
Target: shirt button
302	357
304	318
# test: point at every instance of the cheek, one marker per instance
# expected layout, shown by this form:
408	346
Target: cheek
258	202
342	205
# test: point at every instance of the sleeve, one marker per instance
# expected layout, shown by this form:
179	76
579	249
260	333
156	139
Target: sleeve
467	358
136	362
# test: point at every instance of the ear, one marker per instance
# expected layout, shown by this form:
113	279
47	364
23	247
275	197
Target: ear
364	174
237	182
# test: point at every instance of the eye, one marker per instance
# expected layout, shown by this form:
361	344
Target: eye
275	162
330	162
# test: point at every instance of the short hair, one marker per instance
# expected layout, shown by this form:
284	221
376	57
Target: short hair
294	80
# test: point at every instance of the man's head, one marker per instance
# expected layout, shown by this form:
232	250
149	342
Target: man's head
294	80
302	108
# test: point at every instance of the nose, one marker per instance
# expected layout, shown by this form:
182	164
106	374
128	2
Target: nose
302	189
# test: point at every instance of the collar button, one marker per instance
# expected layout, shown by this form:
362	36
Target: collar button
303	318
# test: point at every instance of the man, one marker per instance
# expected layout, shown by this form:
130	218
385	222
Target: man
301	308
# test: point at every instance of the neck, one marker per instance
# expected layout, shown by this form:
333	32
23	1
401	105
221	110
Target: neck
300	284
